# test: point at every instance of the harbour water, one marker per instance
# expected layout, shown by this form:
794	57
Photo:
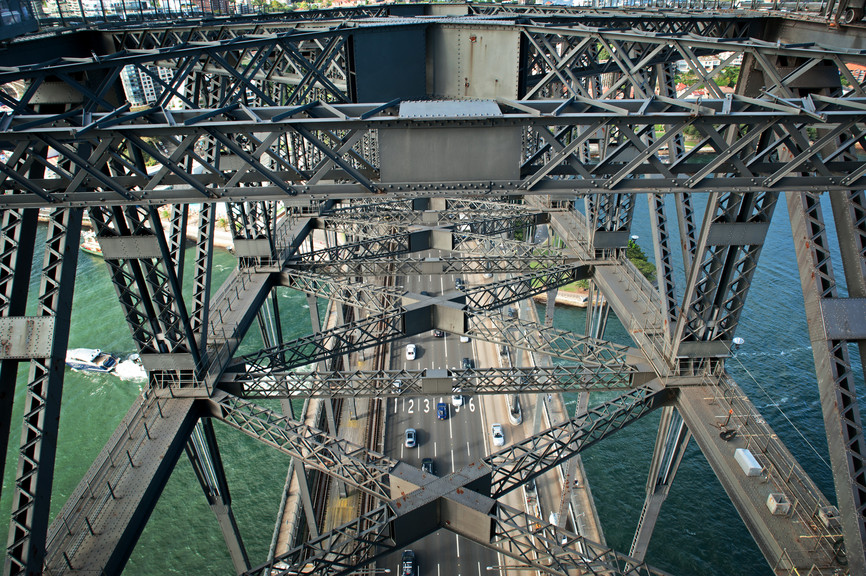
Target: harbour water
698	532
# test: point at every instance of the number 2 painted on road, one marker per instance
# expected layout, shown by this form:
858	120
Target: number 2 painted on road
411	406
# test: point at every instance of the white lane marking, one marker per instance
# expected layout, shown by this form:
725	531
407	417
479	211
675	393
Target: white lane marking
402	445
435	453
468	451
437	570
479	569
453	468
458	545
450	429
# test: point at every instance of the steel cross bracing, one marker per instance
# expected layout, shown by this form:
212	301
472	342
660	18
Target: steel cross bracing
362	468
836	380
746	166
469	264
523	460
325	150
389	324
381	383
378	532
26	545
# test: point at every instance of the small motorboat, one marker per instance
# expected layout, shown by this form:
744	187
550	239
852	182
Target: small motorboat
89	243
92	359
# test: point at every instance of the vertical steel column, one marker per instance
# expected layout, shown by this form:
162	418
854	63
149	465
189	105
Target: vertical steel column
31	500
204	455
849	215
202	275
836	385
664	261
17	237
177	237
671	442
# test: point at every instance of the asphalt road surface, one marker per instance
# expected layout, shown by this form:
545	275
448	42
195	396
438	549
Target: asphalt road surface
451	443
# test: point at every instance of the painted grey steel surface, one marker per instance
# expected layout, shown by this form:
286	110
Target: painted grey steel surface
572	105
26	337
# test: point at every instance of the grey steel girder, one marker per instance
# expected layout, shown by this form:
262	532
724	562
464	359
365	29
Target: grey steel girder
98	526
204	456
468	264
16	259
729	245
746	166
516	464
31	497
413	510
836	382
492	327
345	289
381	383
362	468
670	445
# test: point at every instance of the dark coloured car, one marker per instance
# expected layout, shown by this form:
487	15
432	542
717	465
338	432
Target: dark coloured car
459	284
467	363
438	333
408	563
442	411
427	465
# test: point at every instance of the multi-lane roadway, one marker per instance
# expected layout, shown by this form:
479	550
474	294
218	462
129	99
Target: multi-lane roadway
451	443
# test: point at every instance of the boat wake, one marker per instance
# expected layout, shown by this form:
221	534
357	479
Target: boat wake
131	369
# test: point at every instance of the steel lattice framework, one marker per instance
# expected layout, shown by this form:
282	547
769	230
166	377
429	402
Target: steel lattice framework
284	119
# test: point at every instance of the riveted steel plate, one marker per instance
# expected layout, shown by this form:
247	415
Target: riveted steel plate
252	248
25	337
129	247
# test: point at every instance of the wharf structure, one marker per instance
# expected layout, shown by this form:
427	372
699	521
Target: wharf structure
398	129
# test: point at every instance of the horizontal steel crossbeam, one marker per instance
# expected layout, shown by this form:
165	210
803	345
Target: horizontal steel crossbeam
381	383
747	168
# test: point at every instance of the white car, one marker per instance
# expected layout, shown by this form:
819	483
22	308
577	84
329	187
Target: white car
498	435
410	351
411	438
464	339
457	399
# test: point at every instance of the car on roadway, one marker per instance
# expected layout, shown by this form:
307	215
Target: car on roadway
467	363
425	293
407	562
427	465
464	338
397	385
498	435
410	351
442	411
459	284
457	399
411	438
439	334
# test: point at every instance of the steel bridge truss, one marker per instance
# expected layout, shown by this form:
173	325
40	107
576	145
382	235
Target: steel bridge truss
750	162
377	533
381	383
269	117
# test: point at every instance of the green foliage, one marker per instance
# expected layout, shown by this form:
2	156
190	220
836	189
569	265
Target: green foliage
637	257
728	76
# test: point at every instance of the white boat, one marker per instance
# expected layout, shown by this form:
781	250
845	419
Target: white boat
92	359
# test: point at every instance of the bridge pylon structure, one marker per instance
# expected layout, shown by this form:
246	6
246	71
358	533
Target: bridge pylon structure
344	145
